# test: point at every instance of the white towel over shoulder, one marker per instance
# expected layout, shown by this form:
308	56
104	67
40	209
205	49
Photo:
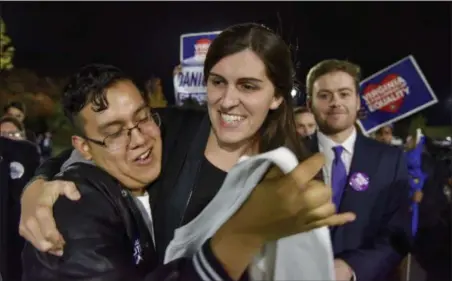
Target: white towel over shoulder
305	256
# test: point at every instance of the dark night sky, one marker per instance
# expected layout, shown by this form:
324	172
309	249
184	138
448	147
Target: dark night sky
143	37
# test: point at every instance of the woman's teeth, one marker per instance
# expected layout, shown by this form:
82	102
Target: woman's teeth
229	118
144	155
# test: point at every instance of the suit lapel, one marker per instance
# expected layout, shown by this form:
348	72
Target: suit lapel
363	161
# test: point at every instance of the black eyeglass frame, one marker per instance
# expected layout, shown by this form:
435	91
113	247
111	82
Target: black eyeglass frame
153	116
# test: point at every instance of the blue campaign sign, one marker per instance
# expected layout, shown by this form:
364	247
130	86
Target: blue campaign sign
194	46
394	93
189	83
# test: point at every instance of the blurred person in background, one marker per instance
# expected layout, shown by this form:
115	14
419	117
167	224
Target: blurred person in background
18	162
46	146
39	140
432	247
12	128
385	134
305	122
413	152
17	110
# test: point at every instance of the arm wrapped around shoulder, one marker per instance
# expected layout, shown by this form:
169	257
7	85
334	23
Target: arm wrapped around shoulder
96	246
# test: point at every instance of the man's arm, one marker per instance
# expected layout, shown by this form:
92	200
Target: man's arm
288	210
46	171
95	249
394	240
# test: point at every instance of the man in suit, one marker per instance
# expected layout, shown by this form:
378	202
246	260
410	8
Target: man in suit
368	178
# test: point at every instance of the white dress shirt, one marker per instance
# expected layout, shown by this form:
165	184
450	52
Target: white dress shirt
145	208
326	147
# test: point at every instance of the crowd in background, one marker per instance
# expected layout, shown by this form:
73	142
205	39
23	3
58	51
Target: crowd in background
434	196
12	127
429	166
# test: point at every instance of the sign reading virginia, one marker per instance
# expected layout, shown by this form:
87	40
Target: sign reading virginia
394	93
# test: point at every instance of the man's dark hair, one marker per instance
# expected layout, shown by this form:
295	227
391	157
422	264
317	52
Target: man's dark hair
14	104
301	109
379	132
89	85
329	66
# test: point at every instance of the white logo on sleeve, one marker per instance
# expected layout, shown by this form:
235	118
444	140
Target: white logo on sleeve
137	252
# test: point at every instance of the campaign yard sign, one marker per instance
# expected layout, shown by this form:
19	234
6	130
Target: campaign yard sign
189	83
394	93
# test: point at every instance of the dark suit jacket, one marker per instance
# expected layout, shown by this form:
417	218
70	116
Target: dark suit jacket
376	242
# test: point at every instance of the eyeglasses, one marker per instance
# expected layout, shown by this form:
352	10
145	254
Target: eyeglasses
122	138
13	135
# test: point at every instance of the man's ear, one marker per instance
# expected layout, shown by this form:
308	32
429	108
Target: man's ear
82	146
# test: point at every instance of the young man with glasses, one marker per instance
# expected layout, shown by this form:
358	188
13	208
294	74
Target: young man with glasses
108	234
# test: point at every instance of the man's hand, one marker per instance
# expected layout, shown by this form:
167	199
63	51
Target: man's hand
280	206
37	224
343	270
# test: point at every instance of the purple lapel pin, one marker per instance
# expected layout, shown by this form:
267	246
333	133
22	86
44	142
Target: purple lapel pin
359	181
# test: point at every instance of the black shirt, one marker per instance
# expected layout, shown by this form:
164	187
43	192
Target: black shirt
208	184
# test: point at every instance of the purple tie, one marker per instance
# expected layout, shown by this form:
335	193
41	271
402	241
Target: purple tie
338	175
